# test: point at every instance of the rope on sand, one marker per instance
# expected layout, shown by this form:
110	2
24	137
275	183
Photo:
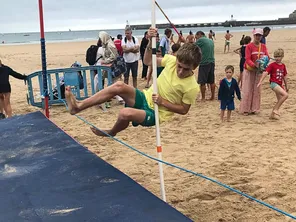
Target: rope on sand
185	170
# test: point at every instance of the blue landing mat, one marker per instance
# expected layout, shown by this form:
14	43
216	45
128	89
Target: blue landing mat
45	175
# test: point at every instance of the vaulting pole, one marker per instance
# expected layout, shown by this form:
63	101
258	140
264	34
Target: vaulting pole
155	91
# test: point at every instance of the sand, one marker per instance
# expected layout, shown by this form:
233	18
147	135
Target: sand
251	153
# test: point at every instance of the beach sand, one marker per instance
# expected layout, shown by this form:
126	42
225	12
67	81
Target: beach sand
251	153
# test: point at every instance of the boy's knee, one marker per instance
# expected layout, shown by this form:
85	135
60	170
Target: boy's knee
125	114
119	85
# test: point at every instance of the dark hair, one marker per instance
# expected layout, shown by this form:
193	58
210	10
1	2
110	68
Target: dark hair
99	43
266	29
247	40
190	33
229	67
227	31
175	47
119	36
200	33
167	31
145	33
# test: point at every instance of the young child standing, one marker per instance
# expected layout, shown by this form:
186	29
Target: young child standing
227	88
278	74
242	52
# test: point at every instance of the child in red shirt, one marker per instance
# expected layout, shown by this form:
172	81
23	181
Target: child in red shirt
278	75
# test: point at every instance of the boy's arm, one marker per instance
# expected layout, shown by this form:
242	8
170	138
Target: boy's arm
237	91
220	90
286	83
148	56
180	109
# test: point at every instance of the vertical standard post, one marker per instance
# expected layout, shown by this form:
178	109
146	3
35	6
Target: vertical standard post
155	91
43	58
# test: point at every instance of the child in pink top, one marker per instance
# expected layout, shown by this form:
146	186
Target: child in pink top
278	76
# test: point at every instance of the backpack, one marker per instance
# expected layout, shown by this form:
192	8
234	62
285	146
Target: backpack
91	55
118	67
125	40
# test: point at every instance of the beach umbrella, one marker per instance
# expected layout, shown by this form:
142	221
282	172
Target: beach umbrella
43	59
155	91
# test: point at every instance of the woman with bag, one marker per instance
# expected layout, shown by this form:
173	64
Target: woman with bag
251	94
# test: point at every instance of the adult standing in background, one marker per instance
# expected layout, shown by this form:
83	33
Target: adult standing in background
206	70
165	42
266	32
131	48
251	94
117	43
143	46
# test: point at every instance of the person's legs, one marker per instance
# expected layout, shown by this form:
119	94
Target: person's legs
228	115
126	115
7	105
119	88
222	115
135	73
225	47
202	79
282	96
1	103
211	80
144	70
126	74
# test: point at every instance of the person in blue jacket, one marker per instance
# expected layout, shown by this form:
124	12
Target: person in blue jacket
227	88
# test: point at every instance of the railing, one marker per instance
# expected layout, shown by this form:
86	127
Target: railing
71	77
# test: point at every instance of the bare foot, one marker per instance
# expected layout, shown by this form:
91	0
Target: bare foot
71	101
100	133
274	115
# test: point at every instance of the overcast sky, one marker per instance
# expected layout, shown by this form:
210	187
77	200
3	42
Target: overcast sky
61	15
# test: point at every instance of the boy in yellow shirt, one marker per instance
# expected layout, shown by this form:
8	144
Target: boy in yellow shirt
177	91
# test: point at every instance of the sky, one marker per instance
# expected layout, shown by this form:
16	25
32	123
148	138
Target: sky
62	15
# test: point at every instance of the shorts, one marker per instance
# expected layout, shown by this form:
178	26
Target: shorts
227	42
141	103
274	84
5	88
206	74
229	104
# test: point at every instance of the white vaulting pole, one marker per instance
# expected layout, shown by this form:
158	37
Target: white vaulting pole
155	91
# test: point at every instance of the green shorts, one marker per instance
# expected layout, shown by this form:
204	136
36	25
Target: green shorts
141	103
273	85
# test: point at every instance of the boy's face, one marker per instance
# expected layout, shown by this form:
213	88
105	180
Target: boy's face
228	73
278	59
183	70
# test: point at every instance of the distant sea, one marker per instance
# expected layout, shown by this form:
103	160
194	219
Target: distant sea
92	35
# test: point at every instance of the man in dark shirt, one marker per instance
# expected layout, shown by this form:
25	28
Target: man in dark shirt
266	32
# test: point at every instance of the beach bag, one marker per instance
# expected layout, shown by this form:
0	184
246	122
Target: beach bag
91	55
118	67
250	68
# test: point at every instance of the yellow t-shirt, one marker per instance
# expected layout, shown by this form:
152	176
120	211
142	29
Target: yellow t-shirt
172	88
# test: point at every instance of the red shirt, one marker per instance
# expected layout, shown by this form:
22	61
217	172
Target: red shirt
252	52
117	43
277	72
